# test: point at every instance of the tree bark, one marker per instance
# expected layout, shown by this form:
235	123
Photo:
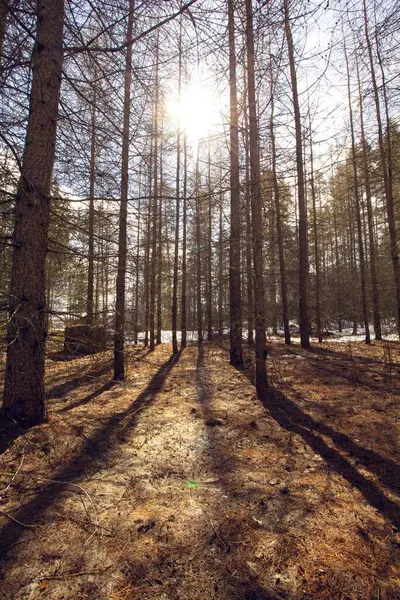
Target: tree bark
249	260
220	261
184	242
282	270
92	177
136	290
259	298
316	244
209	251
358	211
303	225
235	309
371	235
159	248
146	273
338	270
386	171
119	351
198	256
24	395
153	262
353	263
177	206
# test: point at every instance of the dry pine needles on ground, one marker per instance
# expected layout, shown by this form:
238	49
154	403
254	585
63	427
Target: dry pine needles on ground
181	484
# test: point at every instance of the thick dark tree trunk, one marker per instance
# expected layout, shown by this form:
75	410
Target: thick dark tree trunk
259	299
24	396
119	353
235	309
303	233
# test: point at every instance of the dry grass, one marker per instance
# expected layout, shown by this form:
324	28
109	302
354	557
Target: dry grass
133	496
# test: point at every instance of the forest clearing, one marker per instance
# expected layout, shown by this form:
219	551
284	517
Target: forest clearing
180	483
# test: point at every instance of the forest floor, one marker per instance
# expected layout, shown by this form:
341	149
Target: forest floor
181	484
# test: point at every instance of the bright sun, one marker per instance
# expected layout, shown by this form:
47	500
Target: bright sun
196	113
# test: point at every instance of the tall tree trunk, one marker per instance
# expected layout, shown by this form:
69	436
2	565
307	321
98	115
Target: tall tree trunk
259	299
370	219
316	243
153	263
146	273
106	294
386	170
90	283
24	396
338	270
119	351
198	255
97	287
159	248
177	206
184	243
235	309
147	246
249	258
220	261
209	250
358	211
136	290
353	263
303	233
282	270
272	253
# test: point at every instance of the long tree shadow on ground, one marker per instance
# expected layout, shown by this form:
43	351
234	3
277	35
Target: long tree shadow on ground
68	386
104	366
366	360
356	370
94	394
289	416
10	430
96	447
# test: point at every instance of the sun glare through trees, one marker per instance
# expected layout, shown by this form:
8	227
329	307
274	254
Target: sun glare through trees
197	111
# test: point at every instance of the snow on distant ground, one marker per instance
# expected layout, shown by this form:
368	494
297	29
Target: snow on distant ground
346	335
